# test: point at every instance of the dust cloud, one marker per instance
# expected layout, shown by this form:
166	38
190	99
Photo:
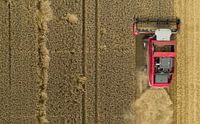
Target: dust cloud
153	107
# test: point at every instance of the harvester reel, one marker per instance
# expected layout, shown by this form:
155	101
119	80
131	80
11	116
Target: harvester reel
159	22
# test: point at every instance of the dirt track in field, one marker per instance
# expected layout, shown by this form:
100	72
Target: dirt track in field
96	67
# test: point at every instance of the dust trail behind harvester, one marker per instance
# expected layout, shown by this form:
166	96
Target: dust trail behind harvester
153	107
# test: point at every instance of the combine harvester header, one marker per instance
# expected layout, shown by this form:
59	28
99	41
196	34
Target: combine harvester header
161	48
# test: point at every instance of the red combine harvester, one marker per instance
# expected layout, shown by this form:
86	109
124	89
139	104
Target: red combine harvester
161	53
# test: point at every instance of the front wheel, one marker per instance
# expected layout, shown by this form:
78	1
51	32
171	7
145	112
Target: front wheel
145	43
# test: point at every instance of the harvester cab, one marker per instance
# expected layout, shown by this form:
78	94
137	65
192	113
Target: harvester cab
161	53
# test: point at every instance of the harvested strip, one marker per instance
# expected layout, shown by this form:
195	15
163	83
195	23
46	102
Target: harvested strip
43	15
